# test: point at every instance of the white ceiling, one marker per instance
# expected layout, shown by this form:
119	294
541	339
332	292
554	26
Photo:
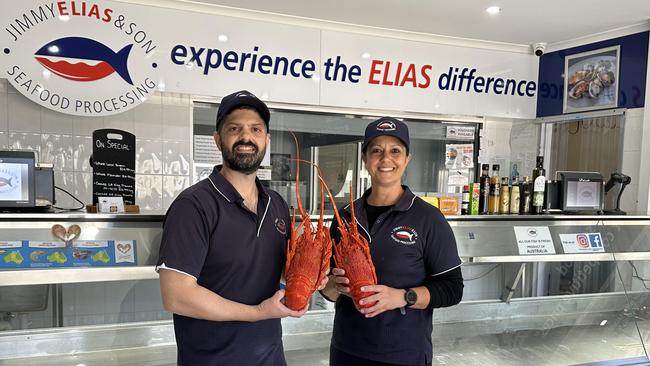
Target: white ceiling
520	22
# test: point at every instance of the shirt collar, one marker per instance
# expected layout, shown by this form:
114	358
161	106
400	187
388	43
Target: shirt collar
403	204
226	189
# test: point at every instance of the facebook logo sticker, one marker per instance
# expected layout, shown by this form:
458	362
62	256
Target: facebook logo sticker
595	240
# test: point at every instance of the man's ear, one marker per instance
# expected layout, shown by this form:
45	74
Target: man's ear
217	139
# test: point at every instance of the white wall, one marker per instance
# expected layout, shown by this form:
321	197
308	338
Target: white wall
632	163
162	126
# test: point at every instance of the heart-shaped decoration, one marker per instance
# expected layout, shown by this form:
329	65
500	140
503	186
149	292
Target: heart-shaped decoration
124	248
66	235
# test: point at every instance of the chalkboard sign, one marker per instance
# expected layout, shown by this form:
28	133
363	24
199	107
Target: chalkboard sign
113	162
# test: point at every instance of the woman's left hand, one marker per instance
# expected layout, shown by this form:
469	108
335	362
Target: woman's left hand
384	297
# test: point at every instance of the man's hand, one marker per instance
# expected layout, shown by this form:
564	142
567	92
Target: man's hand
323	282
273	307
386	298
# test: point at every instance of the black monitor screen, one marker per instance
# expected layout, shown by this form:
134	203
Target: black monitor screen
16	179
583	194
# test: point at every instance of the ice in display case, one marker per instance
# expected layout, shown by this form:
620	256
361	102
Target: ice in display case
580	302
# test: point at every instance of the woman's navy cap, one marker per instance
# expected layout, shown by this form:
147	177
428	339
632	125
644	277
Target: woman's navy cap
386	126
242	98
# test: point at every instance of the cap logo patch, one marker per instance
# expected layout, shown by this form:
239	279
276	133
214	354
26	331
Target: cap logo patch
404	235
386	126
244	94
281	226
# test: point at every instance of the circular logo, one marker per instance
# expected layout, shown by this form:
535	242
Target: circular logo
532	232
281	226
404	235
90	60
386	126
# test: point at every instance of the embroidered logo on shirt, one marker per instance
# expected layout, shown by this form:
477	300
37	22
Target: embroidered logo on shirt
280	226
404	235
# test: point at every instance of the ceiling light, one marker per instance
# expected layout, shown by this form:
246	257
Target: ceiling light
493	10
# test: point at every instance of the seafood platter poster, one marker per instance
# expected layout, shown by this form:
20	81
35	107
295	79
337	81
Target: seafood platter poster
82	253
591	80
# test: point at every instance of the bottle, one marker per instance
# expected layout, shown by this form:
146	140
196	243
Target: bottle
539	187
524	196
484	181
495	191
514	198
464	206
504	200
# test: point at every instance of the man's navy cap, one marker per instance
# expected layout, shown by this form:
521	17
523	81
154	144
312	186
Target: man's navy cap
242	98
386	126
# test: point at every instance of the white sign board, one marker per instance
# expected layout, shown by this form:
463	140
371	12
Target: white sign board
534	240
103	58
206	150
460	133
582	243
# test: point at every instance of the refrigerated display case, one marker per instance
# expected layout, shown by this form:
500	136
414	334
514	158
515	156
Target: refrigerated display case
567	307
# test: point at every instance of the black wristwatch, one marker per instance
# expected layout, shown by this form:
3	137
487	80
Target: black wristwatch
411	297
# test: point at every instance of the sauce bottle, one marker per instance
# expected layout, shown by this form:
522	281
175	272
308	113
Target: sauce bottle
464	207
484	181
539	187
504	200
514	198
495	191
524	197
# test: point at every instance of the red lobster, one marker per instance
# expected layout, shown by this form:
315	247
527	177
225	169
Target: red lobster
308	254
352	254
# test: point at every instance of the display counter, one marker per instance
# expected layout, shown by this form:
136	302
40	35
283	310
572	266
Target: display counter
580	298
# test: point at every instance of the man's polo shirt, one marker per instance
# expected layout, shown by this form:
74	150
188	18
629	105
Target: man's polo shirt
210	235
409	242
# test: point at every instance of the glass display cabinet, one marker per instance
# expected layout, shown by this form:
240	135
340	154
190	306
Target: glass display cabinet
539	290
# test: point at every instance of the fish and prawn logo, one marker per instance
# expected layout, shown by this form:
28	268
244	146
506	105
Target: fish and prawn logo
9	182
79	57
386	125
95	60
404	235
281	226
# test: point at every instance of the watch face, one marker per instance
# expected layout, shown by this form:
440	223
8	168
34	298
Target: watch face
411	297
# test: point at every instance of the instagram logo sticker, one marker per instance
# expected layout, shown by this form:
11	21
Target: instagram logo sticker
583	241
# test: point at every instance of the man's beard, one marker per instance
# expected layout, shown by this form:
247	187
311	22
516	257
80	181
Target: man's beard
243	163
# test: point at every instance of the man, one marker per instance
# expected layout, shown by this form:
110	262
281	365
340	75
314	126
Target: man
223	251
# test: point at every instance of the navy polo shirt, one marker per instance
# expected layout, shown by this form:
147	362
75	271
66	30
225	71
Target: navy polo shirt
409	242
209	234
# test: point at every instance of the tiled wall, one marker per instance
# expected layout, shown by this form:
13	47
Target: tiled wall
162	126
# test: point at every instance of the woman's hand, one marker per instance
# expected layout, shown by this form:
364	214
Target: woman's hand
341	282
384	297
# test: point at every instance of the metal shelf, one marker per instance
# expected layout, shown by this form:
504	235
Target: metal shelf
75	275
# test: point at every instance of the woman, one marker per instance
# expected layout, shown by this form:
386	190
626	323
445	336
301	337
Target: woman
415	256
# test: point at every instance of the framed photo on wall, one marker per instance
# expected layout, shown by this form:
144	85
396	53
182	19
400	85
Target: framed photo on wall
591	80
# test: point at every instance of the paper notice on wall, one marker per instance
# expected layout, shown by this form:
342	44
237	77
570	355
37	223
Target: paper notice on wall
458	177
459	156
206	150
534	240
